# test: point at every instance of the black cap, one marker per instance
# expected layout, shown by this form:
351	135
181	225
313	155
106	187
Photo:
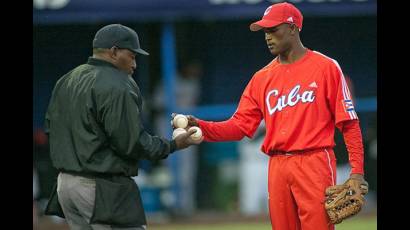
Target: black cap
120	36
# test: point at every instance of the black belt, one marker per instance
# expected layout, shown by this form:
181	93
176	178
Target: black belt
92	175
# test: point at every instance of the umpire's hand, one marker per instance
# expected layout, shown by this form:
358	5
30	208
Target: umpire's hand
183	140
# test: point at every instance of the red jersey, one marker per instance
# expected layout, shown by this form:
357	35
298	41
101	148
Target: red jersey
301	104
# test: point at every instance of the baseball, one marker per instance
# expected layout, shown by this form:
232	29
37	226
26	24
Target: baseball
177	132
197	135
180	121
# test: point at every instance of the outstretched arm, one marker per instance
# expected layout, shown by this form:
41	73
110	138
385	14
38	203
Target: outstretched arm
243	122
218	131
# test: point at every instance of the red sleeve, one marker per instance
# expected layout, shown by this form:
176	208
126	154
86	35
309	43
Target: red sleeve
338	95
244	121
220	131
353	140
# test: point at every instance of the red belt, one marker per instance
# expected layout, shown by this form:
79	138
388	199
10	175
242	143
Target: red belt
305	151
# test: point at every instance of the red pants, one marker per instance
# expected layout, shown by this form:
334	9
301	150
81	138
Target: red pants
296	185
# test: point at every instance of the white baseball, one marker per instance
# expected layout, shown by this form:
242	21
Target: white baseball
197	135
178	132
180	121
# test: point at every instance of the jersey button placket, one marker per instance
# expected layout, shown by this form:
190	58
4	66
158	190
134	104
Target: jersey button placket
285	112
284	122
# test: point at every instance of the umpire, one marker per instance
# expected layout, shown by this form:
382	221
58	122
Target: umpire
96	137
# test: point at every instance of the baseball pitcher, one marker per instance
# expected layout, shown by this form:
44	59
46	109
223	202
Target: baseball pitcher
302	95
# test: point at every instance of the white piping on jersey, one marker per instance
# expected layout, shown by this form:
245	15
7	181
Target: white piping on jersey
345	89
330	166
346	95
346	92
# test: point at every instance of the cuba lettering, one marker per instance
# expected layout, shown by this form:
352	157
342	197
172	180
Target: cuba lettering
292	99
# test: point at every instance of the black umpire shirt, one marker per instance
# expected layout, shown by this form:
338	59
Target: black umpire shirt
94	122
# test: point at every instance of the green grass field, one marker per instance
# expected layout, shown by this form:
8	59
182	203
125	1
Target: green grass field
352	224
227	223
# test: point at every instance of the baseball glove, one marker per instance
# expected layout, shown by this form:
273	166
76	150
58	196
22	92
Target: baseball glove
346	200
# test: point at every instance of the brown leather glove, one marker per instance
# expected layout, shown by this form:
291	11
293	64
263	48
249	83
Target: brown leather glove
346	200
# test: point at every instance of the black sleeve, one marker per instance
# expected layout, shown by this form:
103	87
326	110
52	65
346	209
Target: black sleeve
122	121
50	110
173	146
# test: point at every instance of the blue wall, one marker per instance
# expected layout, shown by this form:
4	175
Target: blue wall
229	51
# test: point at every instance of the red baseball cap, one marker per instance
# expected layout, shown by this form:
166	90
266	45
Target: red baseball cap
277	14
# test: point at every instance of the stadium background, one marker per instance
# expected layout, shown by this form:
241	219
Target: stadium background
212	36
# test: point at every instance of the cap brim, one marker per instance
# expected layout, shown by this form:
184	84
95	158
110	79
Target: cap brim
263	24
141	51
